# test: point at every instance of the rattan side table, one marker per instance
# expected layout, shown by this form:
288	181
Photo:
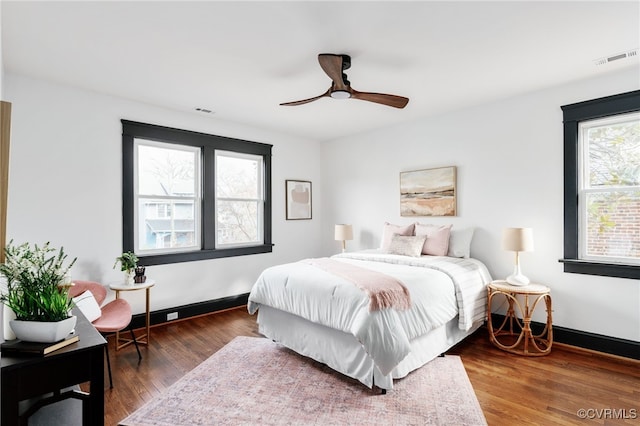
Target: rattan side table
514	334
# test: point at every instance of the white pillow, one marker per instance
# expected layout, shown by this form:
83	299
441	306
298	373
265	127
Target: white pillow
406	245
460	242
88	306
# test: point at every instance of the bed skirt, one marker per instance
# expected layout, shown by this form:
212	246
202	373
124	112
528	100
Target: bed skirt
343	353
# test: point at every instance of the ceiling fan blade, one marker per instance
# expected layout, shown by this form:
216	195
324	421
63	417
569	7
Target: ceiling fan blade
306	101
332	65
380	98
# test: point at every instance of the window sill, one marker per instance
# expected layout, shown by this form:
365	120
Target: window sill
589	267
162	259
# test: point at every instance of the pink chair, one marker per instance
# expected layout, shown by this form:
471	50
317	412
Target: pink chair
115	315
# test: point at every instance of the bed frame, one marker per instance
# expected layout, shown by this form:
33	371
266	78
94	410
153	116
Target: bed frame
343	353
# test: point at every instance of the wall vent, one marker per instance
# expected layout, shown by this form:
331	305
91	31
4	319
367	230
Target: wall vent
616	57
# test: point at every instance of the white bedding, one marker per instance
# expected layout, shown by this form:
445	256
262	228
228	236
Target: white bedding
320	297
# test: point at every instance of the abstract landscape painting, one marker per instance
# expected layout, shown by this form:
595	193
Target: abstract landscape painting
430	192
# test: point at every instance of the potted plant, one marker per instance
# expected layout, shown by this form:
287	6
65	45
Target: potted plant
128	262
34	292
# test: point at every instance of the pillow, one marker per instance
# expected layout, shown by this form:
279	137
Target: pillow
389	230
437	238
88	306
406	245
460	242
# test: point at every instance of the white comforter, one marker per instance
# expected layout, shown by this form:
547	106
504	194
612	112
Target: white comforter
321	297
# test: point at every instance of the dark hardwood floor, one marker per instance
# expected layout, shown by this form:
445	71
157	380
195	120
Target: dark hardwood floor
511	389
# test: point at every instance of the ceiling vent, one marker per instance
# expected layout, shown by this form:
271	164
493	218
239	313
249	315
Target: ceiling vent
617	57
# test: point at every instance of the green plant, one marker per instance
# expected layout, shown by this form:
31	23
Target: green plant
33	276
128	261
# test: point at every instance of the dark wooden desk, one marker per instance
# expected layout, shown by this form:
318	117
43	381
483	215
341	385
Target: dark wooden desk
25	377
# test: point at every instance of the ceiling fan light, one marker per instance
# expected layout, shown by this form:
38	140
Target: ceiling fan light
340	94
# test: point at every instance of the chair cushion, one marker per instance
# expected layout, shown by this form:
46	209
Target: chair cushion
88	305
97	289
116	315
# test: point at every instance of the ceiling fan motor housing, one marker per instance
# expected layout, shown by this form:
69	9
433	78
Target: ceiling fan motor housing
346	62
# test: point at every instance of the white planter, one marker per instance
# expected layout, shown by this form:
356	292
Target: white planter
7	316
40	331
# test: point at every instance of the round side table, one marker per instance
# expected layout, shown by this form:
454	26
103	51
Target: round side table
142	339
514	334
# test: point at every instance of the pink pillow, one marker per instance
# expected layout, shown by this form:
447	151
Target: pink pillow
389	230
437	242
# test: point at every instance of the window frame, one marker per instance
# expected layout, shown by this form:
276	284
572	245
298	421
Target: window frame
208	144
573	114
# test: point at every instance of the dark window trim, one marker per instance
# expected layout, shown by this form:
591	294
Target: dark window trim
573	114
208	143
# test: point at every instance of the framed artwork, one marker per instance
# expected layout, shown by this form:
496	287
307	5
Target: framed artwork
298	199
430	192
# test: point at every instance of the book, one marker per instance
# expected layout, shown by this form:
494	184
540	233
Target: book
20	347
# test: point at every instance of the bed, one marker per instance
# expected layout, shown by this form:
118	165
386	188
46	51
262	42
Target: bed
323	316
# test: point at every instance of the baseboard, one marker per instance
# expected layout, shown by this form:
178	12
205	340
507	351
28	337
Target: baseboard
582	339
191	310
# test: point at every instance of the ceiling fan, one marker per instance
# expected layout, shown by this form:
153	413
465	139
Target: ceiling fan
334	65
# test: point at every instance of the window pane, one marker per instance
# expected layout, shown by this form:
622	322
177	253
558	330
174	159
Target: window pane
166	224
614	152
238	222
166	171
613	229
237	177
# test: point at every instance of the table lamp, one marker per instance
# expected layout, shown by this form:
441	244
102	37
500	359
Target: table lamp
517	239
343	233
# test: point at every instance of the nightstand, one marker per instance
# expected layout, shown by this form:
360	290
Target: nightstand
514	334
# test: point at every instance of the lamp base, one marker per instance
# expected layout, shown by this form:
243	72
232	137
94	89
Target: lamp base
518	279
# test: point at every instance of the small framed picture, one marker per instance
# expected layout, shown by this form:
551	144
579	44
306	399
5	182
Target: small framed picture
298	199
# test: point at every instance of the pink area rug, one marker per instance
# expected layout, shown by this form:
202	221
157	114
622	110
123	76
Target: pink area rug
253	381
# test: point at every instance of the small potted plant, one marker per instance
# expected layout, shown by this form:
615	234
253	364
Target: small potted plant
35	292
128	262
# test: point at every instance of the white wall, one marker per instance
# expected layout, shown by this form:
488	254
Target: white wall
65	187
509	158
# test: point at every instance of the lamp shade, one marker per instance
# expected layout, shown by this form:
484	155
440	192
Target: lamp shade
517	239
343	232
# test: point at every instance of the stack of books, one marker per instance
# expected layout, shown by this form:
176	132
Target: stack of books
20	347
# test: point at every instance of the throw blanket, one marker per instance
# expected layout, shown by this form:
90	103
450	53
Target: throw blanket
383	290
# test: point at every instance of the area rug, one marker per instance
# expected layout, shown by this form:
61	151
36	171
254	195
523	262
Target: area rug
253	381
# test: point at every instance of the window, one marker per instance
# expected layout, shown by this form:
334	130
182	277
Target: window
602	186
167	190
239	199
191	196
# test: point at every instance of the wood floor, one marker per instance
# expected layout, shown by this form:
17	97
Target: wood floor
511	389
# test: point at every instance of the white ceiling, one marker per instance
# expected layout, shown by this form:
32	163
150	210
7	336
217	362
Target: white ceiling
241	59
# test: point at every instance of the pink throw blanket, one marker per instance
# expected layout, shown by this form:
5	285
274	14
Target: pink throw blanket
383	290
